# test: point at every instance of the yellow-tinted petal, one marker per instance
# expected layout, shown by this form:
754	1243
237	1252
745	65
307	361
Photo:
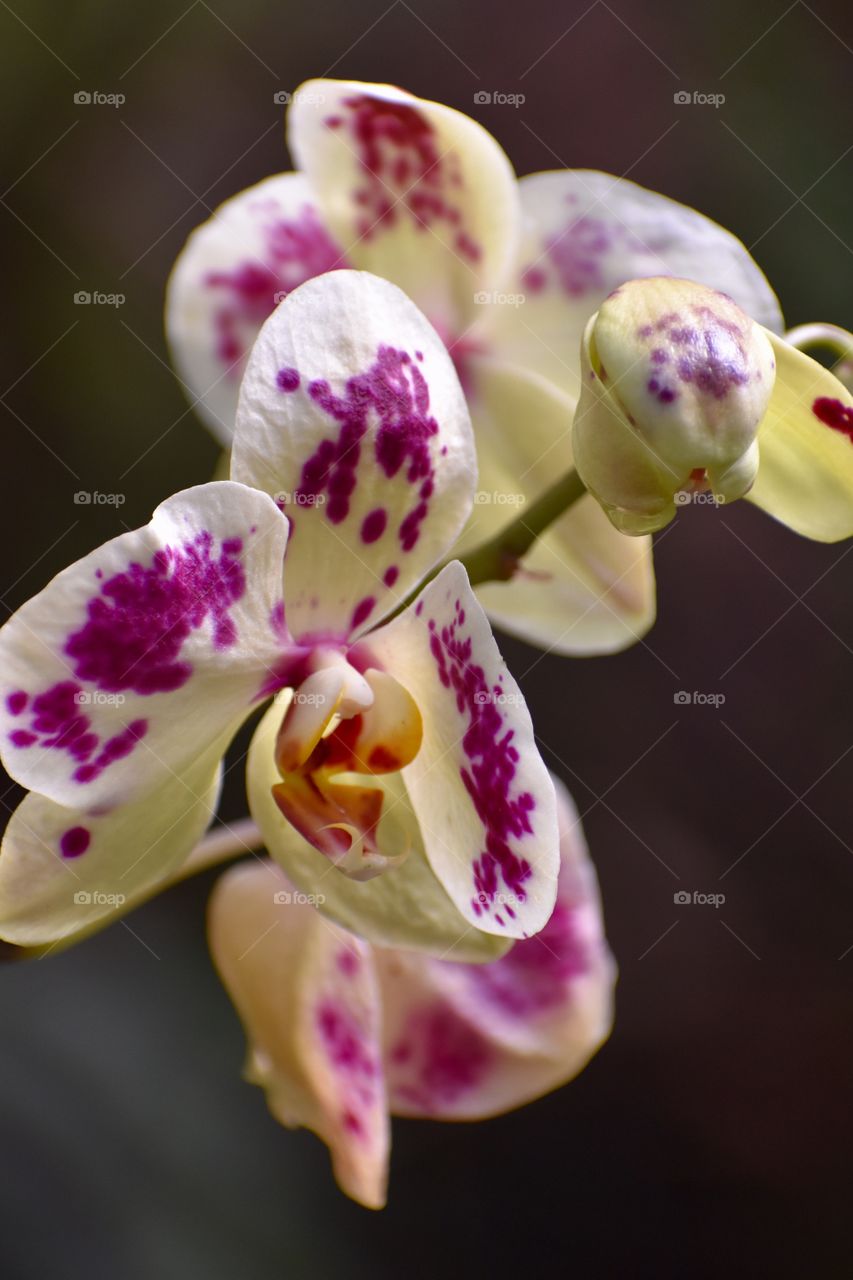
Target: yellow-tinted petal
805	473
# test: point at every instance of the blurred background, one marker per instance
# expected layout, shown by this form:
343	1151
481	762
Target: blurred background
713	1134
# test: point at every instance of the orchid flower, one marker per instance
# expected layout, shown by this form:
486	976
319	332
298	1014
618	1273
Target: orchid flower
341	1033
396	745
509	273
684	393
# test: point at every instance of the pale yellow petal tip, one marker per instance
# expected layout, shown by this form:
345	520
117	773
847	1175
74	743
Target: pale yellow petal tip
805	476
364	1181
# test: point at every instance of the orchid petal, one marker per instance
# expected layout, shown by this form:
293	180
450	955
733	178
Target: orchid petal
352	415
478	786
63	870
132	661
583	588
463	1042
805	473
416	192
585	234
232	272
406	906
307	996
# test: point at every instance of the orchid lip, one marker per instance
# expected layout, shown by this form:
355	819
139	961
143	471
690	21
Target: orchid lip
339	726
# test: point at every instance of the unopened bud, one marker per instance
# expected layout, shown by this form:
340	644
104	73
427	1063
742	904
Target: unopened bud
676	379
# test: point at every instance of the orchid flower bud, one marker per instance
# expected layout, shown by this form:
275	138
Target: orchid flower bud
676	380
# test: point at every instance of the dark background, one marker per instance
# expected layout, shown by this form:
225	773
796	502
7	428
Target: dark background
713	1134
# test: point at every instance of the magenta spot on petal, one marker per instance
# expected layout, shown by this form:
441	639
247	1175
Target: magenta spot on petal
395	391
15	702
488	776
277	620
287	380
362	611
438	1059
132	641
579	251
834	414
348	962
373	525
390	575
343	1040
536	974
138	623
22	738
534	279
294	250
74	842
713	359
404	172
352	1124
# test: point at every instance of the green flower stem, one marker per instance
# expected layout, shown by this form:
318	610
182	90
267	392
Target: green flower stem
831	338
498	559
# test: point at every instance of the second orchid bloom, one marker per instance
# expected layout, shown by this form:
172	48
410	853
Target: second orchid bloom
396	765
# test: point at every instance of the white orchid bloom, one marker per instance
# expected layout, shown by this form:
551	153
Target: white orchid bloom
509	273
400	746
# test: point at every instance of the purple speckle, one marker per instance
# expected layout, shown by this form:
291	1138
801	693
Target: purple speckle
348	962
16	702
390	575
534	279
489	774
373	525
438	1058
131	641
58	721
74	842
404	172
834	414
137	625
287	379
362	612
536	973
715	364
277	624
396	391
295	250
